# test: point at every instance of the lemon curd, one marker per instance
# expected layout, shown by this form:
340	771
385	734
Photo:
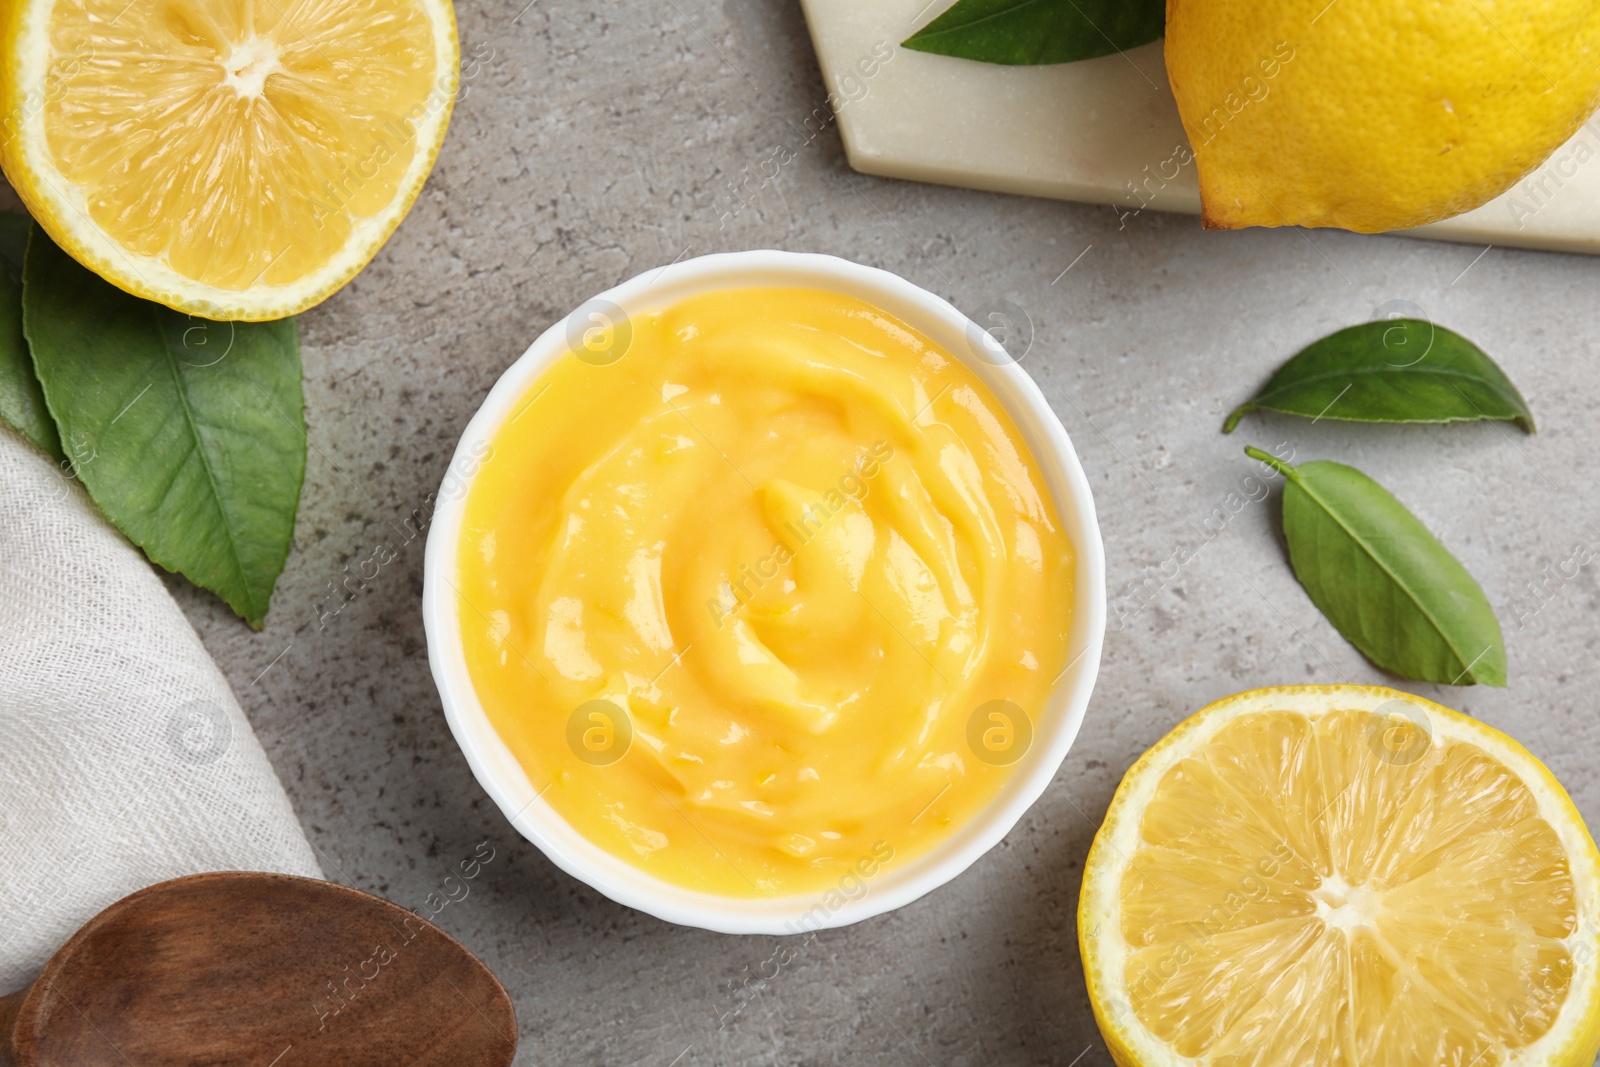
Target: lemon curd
763	590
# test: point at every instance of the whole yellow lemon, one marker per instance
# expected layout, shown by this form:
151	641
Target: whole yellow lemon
1375	114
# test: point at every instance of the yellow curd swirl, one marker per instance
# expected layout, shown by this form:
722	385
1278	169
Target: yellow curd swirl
763	590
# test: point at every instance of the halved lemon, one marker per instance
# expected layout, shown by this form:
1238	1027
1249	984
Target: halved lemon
234	159
1334	876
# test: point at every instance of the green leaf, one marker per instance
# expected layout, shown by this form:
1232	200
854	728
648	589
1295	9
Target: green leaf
14	229
189	434
1399	370
1025	32
21	400
1383	580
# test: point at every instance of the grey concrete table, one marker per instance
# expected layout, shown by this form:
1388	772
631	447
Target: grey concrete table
595	140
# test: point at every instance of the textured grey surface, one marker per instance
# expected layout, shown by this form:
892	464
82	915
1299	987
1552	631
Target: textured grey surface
600	139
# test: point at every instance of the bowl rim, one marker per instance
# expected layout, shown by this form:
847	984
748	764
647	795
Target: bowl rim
503	778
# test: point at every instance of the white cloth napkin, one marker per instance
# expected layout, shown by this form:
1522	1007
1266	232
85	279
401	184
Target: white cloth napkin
124	758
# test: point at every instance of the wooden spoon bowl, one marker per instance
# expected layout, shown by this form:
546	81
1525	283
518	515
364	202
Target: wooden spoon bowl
264	970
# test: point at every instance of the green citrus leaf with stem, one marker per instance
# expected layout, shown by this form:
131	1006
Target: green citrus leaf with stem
1395	370
1030	32
189	434
1383	580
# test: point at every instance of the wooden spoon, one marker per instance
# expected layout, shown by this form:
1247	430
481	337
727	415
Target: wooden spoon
264	970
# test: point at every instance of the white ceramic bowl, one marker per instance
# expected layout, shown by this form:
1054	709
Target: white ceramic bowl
897	883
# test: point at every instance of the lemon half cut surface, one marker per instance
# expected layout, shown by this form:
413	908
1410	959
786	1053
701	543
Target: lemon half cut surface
234	159
1333	876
